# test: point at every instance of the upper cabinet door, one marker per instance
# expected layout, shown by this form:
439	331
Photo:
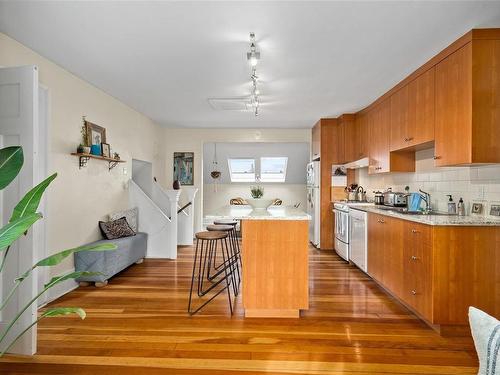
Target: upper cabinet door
453	131
379	120
399	119
362	131
350	140
420	126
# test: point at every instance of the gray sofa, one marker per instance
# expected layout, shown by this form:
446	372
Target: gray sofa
130	250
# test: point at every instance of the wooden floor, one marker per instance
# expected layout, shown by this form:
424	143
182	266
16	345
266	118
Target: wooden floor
138	325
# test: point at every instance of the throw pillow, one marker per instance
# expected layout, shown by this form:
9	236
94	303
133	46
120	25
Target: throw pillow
486	334
131	216
119	228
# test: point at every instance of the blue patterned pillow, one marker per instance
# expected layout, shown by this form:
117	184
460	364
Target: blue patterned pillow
486	334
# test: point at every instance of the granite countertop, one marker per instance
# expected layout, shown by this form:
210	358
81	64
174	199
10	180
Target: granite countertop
272	213
444	220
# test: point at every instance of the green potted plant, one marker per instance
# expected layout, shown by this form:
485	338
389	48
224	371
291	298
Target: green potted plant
257	201
83	147
23	217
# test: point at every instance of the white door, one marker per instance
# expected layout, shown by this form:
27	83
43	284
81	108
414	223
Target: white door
19	126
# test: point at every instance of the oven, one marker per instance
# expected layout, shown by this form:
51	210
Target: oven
341	230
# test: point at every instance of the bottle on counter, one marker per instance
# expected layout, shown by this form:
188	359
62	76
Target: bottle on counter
461	207
452	206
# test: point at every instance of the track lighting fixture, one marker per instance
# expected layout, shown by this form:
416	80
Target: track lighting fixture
253	58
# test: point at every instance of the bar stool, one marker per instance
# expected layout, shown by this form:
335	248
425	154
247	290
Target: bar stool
205	243
234	223
234	259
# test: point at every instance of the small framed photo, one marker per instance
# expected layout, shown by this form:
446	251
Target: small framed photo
477	208
105	148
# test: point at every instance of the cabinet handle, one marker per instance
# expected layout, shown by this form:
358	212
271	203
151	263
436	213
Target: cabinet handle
413	257
436	157
414	231
381	221
410	139
414	292
406	139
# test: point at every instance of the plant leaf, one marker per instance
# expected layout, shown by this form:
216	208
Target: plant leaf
14	230
11	162
73	275
57	311
31	200
59	257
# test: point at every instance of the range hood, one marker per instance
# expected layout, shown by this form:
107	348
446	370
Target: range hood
361	163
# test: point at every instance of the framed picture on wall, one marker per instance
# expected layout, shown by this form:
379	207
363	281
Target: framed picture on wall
184	167
95	134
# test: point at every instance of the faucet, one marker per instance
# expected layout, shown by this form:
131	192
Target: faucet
427	199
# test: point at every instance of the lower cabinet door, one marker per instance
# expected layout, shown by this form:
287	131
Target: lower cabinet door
417	263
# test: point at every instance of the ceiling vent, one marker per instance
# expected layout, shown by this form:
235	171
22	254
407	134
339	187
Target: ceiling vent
231	104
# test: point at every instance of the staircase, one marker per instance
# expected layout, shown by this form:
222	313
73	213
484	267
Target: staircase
156	220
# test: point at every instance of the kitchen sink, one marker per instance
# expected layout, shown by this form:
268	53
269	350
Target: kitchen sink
404	211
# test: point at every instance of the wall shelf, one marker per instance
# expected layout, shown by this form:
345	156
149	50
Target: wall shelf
84	158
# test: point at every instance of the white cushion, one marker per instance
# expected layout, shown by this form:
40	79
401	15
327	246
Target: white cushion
131	216
486	334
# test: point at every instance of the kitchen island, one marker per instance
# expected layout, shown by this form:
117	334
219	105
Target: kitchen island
275	278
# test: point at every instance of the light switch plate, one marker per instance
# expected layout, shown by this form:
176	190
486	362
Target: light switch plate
495	210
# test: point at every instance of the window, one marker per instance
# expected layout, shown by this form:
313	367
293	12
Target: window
242	170
273	169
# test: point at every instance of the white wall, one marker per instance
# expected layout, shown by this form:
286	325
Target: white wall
473	184
142	174
77	199
184	140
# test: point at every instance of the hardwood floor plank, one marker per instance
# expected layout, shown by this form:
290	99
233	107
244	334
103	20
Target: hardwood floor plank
138	324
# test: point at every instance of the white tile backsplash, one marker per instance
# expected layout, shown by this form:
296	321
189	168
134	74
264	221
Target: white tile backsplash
474	184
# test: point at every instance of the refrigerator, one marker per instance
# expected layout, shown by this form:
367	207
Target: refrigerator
313	201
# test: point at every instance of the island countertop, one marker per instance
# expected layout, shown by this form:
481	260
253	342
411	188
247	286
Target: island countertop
246	212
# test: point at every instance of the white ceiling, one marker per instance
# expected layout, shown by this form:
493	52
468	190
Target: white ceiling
319	59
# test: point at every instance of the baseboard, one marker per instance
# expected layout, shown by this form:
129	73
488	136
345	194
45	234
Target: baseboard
60	290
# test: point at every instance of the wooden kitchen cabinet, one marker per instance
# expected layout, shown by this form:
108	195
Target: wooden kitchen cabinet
399	119
420	125
468	104
356	132
381	159
328	146
412	113
417	268
376	245
437	271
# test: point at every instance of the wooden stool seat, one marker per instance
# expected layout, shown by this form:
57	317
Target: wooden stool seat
226	222
212	235
219	227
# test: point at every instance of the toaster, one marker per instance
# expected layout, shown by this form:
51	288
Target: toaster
395	199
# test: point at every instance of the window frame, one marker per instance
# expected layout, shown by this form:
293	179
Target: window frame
242	180
261	173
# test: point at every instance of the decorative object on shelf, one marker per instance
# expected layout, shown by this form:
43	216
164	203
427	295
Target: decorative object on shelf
238	202
216	173
95	150
105	149
257	192
95	134
277	202
116	155
176	185
184	167
83	147
477	208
